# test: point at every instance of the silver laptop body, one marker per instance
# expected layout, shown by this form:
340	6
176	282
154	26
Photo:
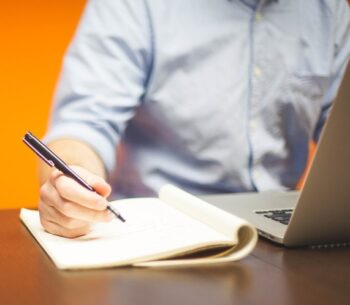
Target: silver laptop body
322	209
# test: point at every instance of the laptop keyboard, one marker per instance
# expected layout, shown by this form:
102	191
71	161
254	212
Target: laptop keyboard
282	216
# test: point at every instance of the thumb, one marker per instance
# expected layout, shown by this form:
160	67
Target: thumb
101	186
98	183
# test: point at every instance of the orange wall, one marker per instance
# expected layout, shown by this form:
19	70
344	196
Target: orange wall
34	35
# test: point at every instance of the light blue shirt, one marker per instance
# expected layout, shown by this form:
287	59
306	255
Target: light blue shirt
210	95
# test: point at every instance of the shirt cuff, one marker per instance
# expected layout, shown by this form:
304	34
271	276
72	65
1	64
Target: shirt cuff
95	139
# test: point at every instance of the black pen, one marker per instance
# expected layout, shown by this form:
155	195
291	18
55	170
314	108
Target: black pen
53	160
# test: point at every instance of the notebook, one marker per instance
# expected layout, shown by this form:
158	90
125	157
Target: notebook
320	213
176	229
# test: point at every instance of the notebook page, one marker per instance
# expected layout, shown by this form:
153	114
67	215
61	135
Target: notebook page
218	219
152	230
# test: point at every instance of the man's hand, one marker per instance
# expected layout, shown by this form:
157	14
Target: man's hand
68	209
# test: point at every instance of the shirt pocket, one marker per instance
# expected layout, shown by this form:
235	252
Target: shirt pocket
306	91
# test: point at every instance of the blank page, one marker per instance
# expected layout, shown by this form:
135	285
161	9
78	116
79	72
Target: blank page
152	230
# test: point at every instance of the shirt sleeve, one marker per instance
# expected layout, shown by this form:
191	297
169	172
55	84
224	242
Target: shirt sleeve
341	57
104	76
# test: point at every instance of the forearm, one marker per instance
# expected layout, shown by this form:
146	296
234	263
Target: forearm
73	152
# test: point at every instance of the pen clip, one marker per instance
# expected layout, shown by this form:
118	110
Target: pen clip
25	140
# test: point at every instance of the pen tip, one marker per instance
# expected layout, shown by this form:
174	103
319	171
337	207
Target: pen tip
120	217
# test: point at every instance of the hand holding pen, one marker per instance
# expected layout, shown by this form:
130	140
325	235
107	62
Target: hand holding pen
65	208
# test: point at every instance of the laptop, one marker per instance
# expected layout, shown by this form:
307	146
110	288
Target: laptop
320	213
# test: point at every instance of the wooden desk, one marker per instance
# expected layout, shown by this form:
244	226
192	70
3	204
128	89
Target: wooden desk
270	275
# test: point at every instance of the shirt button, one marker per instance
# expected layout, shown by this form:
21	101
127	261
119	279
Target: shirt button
257	71
252	124
256	173
258	16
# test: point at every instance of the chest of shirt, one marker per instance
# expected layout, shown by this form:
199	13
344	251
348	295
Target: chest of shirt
217	58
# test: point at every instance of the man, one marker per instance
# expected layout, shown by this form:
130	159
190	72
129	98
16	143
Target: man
213	96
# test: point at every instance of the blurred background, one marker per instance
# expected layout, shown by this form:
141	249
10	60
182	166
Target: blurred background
34	36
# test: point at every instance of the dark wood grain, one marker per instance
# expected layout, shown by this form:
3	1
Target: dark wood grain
270	275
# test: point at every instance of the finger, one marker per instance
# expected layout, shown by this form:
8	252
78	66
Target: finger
72	191
97	182
49	196
50	213
56	229
68	188
77	211
101	187
61	188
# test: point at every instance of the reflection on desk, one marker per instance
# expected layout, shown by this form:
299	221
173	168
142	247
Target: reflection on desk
270	275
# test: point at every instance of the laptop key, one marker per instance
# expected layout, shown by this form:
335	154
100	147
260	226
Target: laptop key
282	216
